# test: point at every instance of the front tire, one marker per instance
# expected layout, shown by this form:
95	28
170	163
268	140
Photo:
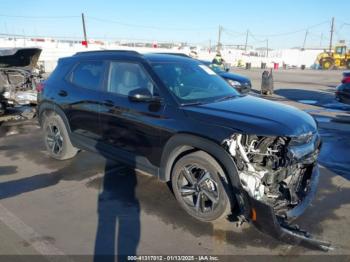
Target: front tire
200	186
327	64
56	138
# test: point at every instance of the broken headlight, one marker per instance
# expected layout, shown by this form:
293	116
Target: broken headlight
305	145
234	83
301	140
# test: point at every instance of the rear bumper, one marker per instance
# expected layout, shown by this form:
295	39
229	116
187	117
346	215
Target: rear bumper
265	219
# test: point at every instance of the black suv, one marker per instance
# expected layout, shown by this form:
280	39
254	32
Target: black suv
225	154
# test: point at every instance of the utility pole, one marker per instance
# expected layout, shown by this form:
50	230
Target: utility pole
321	39
219	39
306	33
331	38
24	37
267	48
246	41
84	29
209	46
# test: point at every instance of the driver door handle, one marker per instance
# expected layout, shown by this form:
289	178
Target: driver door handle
62	93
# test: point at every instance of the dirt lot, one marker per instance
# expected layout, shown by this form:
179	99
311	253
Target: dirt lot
90	205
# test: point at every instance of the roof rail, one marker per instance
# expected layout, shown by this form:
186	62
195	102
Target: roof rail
110	52
169	53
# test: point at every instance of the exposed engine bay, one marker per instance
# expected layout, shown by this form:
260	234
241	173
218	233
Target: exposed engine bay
19	76
274	170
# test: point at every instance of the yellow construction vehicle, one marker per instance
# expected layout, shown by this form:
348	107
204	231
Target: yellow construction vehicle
337	58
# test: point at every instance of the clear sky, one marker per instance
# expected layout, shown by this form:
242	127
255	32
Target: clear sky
283	22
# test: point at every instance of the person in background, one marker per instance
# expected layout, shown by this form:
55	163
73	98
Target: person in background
218	60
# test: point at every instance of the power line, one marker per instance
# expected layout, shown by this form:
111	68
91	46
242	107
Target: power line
227	31
344	22
256	39
39	17
319	36
147	26
342	25
40	36
293	32
91	37
232	33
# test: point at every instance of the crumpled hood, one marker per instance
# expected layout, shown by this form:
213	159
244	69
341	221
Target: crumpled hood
252	115
25	58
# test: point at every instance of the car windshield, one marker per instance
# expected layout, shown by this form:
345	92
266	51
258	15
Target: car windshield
193	83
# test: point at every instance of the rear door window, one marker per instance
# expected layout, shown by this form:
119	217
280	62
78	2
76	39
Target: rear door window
88	74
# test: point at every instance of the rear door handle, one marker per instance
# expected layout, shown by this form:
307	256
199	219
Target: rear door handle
62	93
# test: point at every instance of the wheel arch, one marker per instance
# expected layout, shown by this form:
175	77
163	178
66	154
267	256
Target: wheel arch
45	107
185	143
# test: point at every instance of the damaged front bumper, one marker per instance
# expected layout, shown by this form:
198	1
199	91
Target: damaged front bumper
265	219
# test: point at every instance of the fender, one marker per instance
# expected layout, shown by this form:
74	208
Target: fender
46	105
183	142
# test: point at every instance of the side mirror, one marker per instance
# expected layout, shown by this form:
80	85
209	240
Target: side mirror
142	95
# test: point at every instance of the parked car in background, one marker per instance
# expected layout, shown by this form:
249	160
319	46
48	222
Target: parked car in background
342	93
224	154
241	83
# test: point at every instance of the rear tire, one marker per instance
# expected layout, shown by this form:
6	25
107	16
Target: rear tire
200	186
327	64
56	138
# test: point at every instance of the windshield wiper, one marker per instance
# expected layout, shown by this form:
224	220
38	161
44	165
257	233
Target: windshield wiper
192	104
225	98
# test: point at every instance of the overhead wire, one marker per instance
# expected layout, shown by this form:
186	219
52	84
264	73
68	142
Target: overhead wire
229	32
148	26
293	32
39	17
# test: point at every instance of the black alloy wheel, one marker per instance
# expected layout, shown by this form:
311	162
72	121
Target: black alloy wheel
200	186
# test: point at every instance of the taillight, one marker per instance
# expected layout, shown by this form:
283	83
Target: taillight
40	86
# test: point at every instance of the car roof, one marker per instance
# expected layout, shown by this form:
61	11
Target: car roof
106	53
172	53
129	54
161	57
